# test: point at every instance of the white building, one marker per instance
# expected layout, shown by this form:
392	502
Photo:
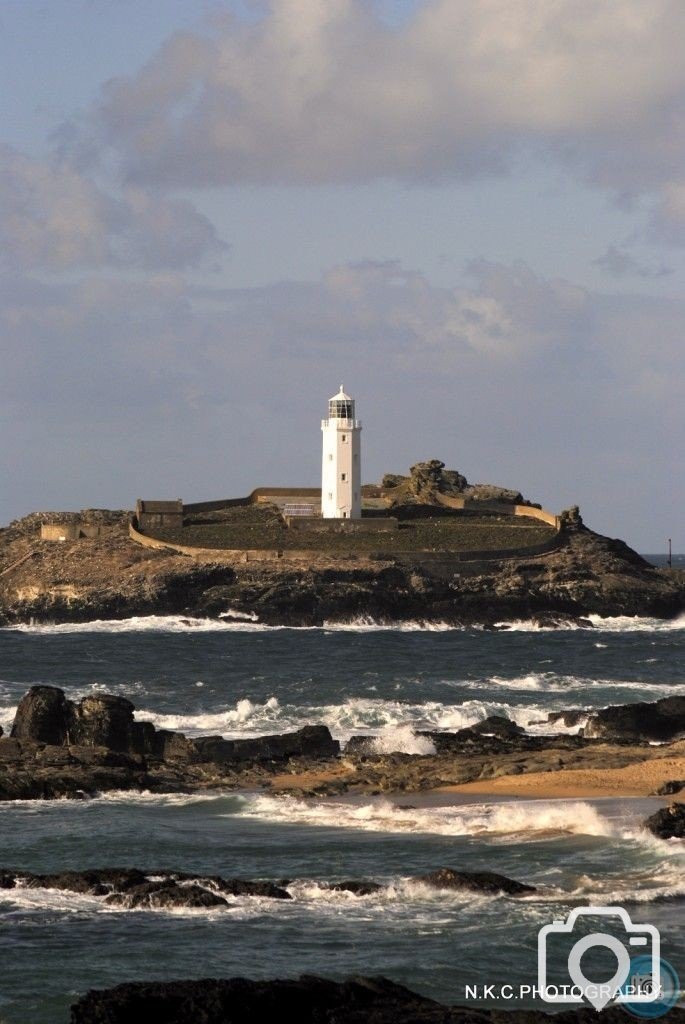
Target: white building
341	490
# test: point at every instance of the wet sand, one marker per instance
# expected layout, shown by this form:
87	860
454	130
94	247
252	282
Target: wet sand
641	779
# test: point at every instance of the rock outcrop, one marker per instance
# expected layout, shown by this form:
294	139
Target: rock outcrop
668	822
59	747
43	716
307	1000
662	720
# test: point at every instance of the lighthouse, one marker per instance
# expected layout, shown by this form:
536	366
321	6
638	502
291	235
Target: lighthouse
341	467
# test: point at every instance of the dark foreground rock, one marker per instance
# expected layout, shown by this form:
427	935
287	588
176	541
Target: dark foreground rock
306	1000
668	822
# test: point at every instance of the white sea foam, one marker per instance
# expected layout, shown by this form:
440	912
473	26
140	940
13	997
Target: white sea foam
365	623
633	623
357	715
148	624
371	715
530	818
402	739
237	621
601	623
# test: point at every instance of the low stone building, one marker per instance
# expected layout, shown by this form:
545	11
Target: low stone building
155	515
71	531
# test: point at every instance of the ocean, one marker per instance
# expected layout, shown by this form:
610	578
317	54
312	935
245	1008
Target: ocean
238	678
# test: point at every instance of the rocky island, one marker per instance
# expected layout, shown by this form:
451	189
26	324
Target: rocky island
429	547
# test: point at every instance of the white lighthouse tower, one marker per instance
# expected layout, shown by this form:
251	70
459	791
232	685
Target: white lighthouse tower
341	491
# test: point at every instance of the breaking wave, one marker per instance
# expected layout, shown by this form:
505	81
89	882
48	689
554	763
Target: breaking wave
395	720
522	819
237	621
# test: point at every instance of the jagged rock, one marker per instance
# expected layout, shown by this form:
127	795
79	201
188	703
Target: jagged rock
425	478
453	482
475	881
662	720
103	720
391	480
489	492
571	518
668	822
43	714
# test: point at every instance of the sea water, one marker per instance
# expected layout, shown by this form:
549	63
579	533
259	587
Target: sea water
238	678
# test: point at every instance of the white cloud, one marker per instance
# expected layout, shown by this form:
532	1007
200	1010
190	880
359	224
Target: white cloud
55	218
323	91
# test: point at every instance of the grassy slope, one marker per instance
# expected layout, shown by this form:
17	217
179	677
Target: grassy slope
255	527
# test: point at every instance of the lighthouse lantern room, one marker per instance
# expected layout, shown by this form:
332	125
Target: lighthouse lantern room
341	467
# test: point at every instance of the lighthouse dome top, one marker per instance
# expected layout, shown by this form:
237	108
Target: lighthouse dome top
341	406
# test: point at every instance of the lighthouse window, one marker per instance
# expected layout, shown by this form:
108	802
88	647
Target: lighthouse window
340	409
330	495
343	476
330	457
344	437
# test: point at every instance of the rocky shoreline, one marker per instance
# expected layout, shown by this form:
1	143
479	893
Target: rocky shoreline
60	748
111	577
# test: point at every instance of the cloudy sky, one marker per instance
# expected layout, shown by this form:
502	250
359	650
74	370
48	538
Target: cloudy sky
472	212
